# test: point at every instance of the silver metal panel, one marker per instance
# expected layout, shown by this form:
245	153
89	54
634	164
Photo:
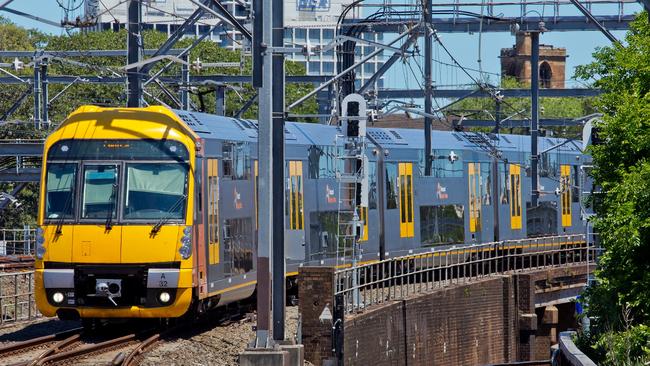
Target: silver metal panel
162	278
58	278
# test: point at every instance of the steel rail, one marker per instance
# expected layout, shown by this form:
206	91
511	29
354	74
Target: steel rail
35	342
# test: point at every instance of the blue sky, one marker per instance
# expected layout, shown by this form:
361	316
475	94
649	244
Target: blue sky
579	45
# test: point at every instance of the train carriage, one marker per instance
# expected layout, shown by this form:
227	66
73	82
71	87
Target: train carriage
152	212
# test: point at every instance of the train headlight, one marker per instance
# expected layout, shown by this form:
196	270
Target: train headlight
57	297
40	243
164	297
186	243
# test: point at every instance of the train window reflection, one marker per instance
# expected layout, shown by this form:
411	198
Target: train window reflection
99	192
441	225
391	186
59	202
155	190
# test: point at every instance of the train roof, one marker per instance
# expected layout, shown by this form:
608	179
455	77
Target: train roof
210	126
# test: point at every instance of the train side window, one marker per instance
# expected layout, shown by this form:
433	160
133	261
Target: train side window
575	184
296	214
372	185
406	199
391	186
442	225
515	201
256	183
565	195
474	182
486	184
323	161
236	161
504	183
213	211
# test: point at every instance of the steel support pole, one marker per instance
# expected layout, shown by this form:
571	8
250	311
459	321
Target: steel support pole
185	83
496	199
265	149
428	87
134	81
44	95
37	94
534	121
220	100
278	260
497	117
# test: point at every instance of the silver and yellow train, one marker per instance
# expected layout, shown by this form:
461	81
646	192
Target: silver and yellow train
151	212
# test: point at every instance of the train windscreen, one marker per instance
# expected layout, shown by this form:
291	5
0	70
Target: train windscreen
86	179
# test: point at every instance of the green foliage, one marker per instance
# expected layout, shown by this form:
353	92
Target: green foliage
620	302
629	347
519	108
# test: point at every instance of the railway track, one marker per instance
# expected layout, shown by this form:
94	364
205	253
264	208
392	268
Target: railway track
74	347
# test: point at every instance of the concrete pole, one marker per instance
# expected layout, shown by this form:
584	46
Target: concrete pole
133	79
266	154
534	121
428	87
278	260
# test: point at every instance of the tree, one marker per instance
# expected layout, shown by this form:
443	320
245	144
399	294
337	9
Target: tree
621	300
519	108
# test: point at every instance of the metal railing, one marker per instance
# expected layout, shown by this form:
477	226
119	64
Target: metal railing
400	277
17	297
17	241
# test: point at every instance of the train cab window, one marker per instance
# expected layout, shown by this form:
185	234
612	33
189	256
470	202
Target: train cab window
406	199
474	198
99	197
515	199
565	194
236	161
155	190
296	214
391	186
213	210
60	190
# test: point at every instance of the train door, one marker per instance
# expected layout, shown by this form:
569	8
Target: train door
213	246
515	197
565	195
295	236
405	182
474	199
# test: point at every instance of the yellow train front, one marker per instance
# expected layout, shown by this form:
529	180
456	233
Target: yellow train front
115	216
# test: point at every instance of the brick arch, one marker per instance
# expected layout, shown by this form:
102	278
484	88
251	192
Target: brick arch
545	74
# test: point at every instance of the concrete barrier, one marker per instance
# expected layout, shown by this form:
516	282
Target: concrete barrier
570	353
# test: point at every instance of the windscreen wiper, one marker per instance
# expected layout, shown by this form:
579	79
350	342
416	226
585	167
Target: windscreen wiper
166	216
59	223
109	218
